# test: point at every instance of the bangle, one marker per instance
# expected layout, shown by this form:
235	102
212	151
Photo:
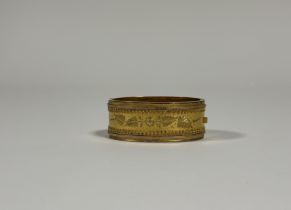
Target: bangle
156	118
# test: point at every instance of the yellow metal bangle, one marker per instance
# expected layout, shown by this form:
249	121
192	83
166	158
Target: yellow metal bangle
156	118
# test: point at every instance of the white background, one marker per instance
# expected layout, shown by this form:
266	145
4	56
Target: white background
60	61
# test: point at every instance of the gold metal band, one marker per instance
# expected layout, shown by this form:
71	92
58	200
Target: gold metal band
156	119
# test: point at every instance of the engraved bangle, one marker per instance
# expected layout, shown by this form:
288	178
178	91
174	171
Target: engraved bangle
156	118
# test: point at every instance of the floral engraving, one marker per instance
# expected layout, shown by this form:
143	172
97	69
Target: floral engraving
149	121
132	122
167	120
184	122
159	121
120	119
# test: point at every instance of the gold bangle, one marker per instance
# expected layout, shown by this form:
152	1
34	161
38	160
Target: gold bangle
156	118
